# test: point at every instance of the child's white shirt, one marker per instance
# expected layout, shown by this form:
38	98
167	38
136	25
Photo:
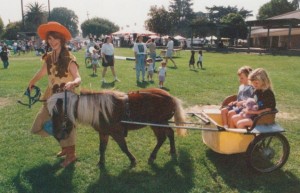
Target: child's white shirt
200	57
150	67
162	71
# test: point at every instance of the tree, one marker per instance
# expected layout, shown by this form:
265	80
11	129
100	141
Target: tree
216	13
1	26
201	26
98	26
11	30
34	16
66	17
235	26
160	20
182	14
276	7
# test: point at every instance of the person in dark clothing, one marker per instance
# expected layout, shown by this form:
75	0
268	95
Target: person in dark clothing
192	60
4	56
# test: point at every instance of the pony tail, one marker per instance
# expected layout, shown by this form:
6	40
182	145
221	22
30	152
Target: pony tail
179	117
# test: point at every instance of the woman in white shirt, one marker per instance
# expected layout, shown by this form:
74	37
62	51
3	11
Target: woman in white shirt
108	58
169	53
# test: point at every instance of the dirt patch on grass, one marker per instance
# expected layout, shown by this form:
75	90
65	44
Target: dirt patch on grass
4	102
287	116
198	108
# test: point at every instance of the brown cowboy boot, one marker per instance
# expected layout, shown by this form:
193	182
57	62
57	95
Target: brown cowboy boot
70	156
63	152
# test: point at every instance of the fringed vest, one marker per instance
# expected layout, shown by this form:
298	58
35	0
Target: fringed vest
58	73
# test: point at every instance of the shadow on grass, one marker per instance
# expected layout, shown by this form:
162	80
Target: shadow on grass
174	176
143	84
194	70
235	173
172	67
93	75
165	88
45	178
108	84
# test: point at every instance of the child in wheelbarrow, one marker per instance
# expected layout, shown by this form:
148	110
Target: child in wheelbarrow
263	95
245	91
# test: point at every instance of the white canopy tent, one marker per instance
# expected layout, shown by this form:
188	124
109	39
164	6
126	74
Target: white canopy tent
133	30
178	37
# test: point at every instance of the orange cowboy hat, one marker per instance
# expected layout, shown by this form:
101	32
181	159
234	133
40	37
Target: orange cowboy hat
53	26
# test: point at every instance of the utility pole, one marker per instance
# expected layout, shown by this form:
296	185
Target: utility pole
23	22
48	10
87	14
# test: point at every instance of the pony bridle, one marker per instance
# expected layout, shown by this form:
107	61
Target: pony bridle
32	98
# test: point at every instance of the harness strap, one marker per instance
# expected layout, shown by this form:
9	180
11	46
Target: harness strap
126	115
127	108
65	111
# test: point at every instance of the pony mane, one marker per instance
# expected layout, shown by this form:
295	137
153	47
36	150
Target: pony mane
90	105
93	103
71	100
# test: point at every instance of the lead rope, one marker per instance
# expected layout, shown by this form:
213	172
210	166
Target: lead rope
64	125
65	111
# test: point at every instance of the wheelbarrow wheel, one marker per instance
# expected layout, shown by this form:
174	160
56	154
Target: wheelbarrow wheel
88	62
268	152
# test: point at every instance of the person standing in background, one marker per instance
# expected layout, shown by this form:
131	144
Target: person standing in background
152	48
108	58
140	53
4	56
169	52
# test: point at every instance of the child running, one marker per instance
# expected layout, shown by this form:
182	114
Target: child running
200	58
162	73
245	91
263	95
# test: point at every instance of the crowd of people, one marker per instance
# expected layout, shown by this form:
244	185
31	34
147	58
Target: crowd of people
145	57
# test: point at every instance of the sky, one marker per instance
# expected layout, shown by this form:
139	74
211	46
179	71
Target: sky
121	12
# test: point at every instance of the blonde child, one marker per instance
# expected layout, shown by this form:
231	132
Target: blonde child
200	58
95	60
263	95
245	91
150	69
162	73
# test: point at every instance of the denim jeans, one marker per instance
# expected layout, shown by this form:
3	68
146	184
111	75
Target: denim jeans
153	56
140	66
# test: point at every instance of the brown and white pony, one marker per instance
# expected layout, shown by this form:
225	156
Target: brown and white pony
105	110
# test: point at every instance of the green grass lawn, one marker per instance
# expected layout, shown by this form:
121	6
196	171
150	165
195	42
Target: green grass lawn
28	162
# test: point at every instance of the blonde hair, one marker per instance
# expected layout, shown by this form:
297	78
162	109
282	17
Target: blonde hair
261	75
244	70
